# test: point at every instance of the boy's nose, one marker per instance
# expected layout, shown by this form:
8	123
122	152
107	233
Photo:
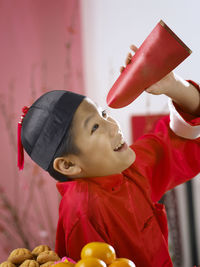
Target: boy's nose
112	129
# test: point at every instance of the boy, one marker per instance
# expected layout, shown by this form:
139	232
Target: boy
109	190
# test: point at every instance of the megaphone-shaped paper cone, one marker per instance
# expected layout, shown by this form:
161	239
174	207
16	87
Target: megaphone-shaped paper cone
159	54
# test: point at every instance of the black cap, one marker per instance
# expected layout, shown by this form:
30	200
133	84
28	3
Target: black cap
46	123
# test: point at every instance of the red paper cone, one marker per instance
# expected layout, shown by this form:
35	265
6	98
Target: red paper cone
159	54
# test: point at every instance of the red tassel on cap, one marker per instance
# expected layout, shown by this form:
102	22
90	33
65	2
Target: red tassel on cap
20	162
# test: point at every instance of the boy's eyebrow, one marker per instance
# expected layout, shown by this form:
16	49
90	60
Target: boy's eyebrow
87	120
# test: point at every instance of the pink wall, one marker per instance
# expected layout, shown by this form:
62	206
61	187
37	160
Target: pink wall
40	50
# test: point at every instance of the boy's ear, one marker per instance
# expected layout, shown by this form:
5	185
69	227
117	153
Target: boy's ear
65	166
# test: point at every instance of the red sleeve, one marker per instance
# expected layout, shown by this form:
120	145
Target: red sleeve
82	233
165	159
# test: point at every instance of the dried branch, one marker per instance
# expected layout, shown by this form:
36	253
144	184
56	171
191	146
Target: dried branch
15	217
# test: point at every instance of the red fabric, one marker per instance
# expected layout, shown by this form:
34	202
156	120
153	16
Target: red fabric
121	209
20	149
143	124
20	154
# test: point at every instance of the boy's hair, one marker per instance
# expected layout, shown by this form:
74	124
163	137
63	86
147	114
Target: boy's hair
66	147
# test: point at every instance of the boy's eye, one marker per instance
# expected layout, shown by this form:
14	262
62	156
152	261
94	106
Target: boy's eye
104	113
94	128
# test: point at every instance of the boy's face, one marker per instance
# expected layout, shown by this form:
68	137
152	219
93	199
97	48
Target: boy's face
100	140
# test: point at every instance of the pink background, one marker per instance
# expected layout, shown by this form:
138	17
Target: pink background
40	50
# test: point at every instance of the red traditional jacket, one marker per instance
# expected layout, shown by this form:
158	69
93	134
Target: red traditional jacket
122	209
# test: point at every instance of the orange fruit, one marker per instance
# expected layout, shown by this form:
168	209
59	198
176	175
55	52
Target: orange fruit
90	262
122	262
63	264
100	250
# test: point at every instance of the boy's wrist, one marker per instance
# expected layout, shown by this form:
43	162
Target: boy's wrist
176	87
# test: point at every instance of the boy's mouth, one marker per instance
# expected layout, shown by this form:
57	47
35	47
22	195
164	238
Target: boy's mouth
120	146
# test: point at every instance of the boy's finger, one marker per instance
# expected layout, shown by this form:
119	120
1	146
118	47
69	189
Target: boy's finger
133	48
128	58
154	89
121	68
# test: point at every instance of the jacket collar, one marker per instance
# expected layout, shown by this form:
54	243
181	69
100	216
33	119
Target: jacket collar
110	182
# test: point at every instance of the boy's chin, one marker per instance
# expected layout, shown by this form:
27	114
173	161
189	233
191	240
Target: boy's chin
130	159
